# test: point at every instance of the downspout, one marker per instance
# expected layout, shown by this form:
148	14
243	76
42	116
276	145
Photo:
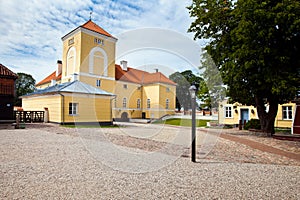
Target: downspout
63	108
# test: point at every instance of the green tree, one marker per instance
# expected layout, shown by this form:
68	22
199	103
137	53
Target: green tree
255	45
184	80
24	85
212	89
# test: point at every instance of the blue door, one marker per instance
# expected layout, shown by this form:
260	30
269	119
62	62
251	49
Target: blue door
244	115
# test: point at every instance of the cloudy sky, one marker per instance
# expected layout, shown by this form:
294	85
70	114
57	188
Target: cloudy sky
151	34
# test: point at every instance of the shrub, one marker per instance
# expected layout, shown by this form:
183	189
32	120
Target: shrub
252	124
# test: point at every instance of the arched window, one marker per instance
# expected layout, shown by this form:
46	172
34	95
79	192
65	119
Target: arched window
167	103
124	102
71	61
98	61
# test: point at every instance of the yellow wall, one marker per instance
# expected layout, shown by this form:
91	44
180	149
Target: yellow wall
52	102
279	121
91	108
106	85
83	58
131	93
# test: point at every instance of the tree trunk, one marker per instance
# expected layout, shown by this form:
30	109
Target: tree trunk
267	119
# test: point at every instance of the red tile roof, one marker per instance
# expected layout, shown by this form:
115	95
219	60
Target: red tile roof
131	75
141	77
5	72
49	78
90	25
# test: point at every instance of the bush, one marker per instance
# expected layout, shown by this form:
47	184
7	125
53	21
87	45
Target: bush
252	124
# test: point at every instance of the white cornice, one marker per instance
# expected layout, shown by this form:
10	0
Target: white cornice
87	31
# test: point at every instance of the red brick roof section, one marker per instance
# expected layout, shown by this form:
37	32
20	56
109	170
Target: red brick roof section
94	27
141	77
5	72
49	78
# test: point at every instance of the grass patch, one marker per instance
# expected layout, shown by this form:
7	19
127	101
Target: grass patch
183	122
283	130
89	126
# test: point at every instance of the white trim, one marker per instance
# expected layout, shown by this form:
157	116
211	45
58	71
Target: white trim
230	106
93	33
95	96
288	119
294	117
96	76
72	33
91	60
74	61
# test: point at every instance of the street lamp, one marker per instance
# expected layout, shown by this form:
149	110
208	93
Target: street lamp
193	90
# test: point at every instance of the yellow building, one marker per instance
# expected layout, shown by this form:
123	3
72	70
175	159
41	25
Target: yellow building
89	59
231	114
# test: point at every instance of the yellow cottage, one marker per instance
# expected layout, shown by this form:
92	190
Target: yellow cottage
231	114
113	91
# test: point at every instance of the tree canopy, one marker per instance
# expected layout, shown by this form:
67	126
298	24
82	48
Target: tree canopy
256	46
184	80
24	84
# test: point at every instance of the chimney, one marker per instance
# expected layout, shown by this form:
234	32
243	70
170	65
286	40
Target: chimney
124	65
156	70
74	77
53	82
59	67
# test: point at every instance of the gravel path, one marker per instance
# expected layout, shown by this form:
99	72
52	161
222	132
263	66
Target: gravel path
48	162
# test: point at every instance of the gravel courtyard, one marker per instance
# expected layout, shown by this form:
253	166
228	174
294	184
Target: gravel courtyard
141	162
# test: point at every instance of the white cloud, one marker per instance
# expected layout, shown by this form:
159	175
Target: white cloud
31	30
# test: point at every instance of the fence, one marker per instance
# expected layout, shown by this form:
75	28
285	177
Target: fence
30	116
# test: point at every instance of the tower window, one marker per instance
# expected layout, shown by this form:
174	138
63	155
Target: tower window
71	41
99	41
98	83
125	86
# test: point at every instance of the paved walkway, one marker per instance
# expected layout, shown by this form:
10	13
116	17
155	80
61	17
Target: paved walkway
260	146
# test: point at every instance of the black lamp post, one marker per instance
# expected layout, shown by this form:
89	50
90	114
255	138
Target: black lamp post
193	90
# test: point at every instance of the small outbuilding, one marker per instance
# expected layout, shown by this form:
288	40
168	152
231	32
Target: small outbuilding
7	93
71	103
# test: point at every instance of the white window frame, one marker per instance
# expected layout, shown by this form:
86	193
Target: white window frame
148	103
73	108
167	103
124	102
286	110
138	103
228	111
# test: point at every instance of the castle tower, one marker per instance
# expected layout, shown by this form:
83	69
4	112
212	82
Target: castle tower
89	53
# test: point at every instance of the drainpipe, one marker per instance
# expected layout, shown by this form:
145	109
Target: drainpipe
63	108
